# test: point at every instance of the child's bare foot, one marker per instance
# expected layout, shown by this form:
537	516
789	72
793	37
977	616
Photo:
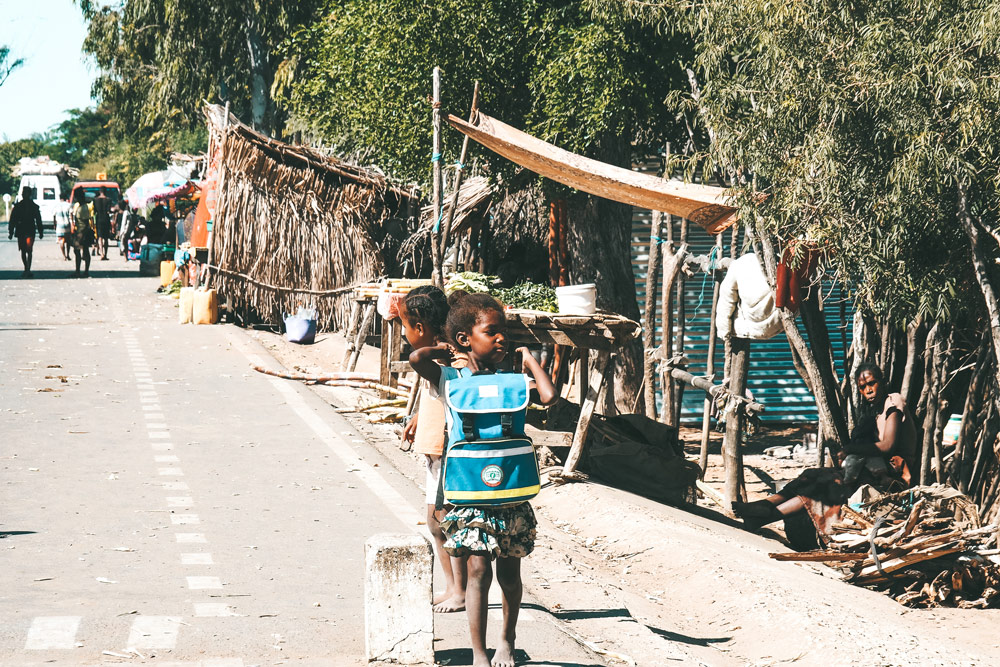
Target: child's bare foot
504	655
480	660
450	604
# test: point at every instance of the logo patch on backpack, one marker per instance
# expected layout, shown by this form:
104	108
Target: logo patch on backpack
492	476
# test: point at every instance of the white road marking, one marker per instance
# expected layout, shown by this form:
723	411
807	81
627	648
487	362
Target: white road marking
154	632
203	583
154	415
159	434
197	559
190	538
154	427
165	458
151	407
179	501
213	609
184	519
392	499
162	446
149	399
52	632
174	486
176	472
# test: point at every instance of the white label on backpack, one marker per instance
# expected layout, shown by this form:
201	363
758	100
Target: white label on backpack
489	390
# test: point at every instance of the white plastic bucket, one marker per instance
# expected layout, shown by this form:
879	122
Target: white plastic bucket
577	299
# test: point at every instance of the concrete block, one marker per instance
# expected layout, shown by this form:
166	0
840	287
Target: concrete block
399	620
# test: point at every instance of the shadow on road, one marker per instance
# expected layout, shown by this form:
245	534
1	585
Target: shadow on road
463	656
68	274
685	639
12	533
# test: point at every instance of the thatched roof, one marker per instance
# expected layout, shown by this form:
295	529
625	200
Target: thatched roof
292	226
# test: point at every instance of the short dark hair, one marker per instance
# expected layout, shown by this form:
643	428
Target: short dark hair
869	368
428	305
466	309
104	191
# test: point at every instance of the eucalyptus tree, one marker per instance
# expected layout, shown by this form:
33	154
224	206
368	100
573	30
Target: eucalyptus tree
159	61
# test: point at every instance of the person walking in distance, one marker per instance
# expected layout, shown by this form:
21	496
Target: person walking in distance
82	234
63	226
102	219
25	218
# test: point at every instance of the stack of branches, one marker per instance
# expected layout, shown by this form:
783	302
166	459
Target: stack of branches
924	547
293	227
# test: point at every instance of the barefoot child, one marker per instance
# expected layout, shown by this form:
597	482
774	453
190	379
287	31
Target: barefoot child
423	313
476	326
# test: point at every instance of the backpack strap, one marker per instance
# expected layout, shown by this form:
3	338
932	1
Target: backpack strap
507	423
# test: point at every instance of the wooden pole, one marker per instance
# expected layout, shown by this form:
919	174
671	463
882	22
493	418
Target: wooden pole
710	363
678	396
732	453
436	248
667	319
710	388
649	314
459	172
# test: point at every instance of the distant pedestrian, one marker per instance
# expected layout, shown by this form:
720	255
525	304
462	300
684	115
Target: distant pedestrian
25	218
63	225
423	314
126	228
102	220
82	234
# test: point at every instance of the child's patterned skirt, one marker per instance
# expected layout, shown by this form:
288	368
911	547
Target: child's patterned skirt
500	532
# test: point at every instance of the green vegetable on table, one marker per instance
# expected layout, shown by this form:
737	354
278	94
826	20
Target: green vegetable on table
528	296
470	281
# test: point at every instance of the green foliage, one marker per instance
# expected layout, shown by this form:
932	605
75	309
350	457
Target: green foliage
529	296
7	65
363	75
857	121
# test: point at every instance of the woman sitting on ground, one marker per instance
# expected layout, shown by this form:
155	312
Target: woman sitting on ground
881	452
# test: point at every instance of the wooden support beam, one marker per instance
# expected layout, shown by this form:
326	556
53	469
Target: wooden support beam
672	262
649	314
710	361
359	340
732	453
709	387
598	378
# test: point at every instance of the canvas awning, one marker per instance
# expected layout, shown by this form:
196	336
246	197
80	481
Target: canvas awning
705	205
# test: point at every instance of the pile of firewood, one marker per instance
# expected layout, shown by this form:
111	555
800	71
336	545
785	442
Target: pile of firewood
925	547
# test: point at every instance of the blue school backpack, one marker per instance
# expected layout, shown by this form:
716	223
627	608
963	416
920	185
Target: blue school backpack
489	460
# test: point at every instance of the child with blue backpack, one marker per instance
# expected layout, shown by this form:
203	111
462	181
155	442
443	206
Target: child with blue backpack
493	530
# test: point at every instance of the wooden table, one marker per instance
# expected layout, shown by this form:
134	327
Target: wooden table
605	333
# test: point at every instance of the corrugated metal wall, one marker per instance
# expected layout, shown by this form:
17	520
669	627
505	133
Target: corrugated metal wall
772	378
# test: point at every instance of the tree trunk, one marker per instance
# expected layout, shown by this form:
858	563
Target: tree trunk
649	314
928	403
681	326
965	450
910	374
600	243
832	424
261	78
982	276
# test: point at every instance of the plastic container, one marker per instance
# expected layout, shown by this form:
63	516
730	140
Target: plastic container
167	269
300	330
205	309
577	299
185	311
951	431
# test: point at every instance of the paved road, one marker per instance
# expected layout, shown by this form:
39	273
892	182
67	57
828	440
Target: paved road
162	503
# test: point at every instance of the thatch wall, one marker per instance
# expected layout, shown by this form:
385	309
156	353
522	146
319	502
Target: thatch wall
293	226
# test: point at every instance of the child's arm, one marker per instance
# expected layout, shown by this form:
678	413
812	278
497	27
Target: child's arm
543	383
422	361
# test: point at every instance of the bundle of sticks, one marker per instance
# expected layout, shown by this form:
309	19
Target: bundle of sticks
924	547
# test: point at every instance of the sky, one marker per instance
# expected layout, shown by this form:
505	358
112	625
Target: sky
55	77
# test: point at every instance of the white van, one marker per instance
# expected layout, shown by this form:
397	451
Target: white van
45	190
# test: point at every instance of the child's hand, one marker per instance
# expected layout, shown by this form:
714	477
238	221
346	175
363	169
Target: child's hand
410	430
525	354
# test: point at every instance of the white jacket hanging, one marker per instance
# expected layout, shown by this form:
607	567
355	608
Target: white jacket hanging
745	291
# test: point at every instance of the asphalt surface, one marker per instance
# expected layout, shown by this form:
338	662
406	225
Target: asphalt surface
163	503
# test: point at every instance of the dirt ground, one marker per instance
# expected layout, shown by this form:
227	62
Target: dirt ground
648	584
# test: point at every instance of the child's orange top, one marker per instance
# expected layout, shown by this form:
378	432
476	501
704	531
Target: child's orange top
430	436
